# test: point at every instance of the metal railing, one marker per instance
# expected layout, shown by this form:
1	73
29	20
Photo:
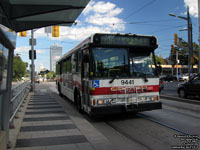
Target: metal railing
19	93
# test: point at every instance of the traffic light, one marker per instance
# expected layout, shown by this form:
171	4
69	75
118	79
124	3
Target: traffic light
23	34
30	54
172	49
176	39
55	31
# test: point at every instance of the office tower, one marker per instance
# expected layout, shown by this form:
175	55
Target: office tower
55	54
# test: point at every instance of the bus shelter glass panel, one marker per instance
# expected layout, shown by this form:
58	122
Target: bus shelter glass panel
3	76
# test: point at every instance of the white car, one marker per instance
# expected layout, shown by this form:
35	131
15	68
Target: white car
185	77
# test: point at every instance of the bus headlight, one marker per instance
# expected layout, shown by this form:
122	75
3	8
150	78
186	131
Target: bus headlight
100	102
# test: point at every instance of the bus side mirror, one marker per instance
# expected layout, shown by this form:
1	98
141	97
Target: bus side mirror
86	58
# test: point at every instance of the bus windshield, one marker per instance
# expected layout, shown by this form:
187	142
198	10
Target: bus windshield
141	64
113	62
110	62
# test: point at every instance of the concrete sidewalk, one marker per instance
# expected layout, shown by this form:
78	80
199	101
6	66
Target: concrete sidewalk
50	124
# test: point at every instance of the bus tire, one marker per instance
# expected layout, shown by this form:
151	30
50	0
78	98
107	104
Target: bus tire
78	102
59	91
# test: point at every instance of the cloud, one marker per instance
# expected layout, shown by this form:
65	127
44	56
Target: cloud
99	7
193	7
105	13
98	17
25	49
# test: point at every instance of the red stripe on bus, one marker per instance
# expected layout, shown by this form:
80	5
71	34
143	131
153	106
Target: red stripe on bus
129	90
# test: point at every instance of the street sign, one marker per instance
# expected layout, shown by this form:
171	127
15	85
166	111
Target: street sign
30	41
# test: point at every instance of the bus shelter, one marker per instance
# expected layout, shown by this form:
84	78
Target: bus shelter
21	15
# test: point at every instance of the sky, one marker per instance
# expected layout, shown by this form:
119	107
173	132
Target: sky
146	17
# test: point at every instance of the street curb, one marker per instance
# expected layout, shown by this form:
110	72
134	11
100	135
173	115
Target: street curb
180	99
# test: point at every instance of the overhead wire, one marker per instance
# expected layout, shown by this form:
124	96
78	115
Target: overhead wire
138	10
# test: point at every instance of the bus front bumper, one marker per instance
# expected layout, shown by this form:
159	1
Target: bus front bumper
111	109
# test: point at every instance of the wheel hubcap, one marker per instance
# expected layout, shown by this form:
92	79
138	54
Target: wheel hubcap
182	93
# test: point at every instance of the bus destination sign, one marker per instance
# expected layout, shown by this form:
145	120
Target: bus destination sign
127	40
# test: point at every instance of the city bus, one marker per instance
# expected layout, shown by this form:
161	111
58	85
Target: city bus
111	73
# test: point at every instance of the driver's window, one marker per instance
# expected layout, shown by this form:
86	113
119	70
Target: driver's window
196	80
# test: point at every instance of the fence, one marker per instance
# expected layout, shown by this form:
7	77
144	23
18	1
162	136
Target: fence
19	93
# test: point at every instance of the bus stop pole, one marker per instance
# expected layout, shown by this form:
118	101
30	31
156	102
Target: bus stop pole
32	63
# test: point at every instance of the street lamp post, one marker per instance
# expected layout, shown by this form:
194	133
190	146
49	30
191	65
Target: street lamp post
190	42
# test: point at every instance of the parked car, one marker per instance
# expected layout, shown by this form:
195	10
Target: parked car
169	78
192	87
161	85
38	79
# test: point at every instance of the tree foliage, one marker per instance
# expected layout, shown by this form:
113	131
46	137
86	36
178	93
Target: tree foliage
183	53
51	75
19	68
159	59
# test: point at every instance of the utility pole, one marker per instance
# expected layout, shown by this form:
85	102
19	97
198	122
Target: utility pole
190	42
32	62
177	64
199	34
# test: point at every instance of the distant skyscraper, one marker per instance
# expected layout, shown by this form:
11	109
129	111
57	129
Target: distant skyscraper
55	54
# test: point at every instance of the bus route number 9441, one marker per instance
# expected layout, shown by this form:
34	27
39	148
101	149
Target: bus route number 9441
127	82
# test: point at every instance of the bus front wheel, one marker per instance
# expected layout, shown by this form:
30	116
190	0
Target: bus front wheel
78	103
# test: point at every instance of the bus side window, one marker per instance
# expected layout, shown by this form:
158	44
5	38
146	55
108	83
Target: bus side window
79	60
69	65
58	69
74	62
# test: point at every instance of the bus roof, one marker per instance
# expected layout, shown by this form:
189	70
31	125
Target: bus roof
115	39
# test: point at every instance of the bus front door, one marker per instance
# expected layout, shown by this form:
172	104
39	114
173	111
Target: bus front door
85	85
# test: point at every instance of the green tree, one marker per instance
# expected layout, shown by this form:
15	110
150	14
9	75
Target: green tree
159	59
51	75
19	68
182	49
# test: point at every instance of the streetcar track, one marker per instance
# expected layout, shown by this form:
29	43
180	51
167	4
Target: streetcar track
165	125
182	108
127	135
181	113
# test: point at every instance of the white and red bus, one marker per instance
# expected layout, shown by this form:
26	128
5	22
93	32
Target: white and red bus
111	73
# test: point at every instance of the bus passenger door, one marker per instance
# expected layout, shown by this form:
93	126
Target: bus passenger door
85	80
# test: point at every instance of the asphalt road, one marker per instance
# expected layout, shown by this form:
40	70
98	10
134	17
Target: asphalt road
170	89
169	128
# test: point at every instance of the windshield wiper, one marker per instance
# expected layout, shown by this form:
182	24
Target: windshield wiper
143	75
111	81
